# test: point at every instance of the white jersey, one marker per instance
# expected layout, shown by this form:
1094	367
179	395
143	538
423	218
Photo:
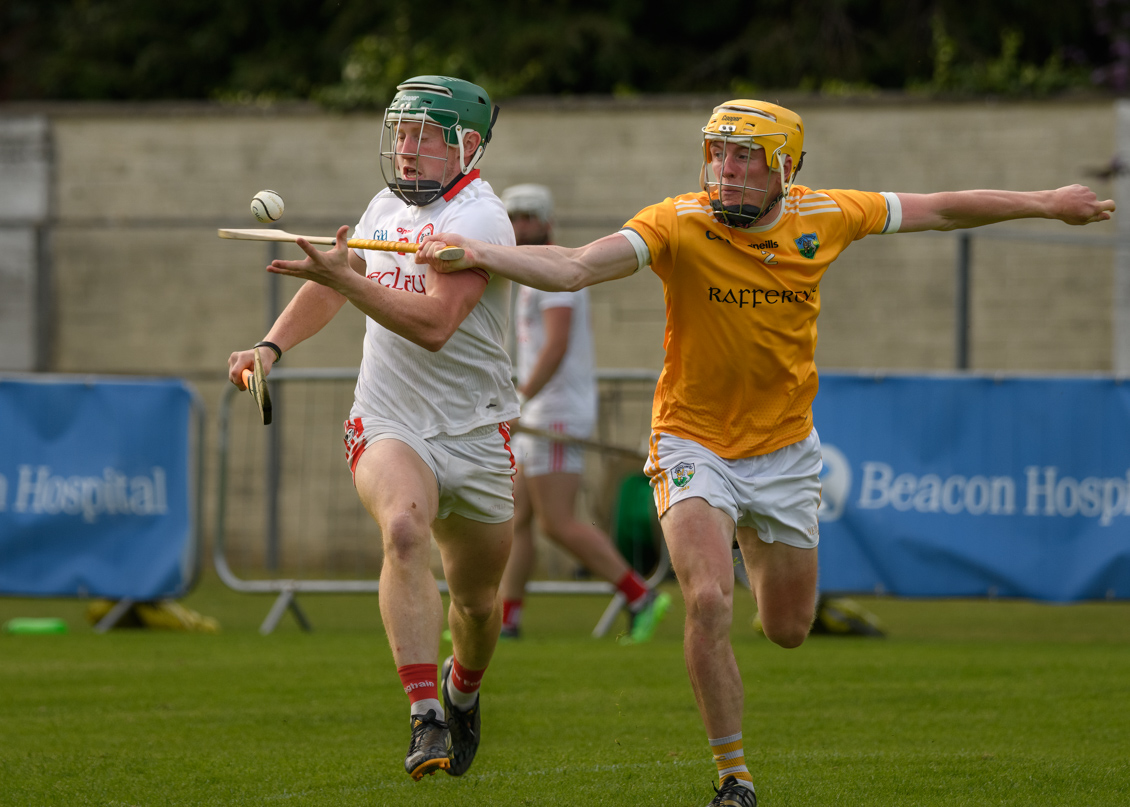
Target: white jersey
570	395
466	384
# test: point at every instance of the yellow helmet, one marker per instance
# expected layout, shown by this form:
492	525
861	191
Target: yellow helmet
777	131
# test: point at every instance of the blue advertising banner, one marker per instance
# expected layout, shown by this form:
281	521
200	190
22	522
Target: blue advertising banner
975	486
97	487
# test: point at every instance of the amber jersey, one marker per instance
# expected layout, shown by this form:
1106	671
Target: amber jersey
739	374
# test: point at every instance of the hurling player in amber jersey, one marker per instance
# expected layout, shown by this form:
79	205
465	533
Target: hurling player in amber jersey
733	448
427	438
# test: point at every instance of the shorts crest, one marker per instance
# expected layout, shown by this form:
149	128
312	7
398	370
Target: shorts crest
682	473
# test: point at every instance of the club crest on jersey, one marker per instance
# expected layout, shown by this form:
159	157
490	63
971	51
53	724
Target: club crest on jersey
425	232
682	474
808	243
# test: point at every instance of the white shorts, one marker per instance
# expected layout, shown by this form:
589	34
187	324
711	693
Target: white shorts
539	456
776	494
474	471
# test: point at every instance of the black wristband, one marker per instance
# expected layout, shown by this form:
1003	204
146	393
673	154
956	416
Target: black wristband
272	346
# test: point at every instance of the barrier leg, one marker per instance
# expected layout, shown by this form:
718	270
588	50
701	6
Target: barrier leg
120	609
285	601
739	566
609	614
617	604
662	567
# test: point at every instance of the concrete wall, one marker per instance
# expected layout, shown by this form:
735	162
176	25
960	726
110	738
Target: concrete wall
137	268
141	284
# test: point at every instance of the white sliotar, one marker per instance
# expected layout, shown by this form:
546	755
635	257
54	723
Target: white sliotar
267	206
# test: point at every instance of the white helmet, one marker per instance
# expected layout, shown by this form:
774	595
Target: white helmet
536	200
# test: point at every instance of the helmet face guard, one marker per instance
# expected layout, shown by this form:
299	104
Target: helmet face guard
745	213
414	190
774	131
456	108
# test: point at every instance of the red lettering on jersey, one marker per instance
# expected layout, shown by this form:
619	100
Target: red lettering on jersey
399	282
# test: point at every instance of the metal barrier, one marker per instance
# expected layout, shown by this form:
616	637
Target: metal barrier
285	490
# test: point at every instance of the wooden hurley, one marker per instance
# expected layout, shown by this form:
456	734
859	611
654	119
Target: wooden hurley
445	254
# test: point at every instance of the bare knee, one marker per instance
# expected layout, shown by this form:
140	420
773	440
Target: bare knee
476	608
556	530
787	633
406	538
709	606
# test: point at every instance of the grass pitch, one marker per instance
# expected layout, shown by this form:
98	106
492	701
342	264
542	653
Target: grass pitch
967	703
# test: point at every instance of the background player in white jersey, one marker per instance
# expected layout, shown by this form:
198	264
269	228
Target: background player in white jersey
427	438
558	389
734	452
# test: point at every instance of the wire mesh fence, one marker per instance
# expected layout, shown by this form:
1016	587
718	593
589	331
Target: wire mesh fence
287	508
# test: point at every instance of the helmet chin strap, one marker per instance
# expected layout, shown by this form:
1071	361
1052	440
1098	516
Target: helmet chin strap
416	192
422	192
742	216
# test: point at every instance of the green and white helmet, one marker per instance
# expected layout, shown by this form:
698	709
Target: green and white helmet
458	107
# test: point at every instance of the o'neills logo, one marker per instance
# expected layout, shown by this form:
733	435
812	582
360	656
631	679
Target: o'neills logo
743	297
770	244
399	279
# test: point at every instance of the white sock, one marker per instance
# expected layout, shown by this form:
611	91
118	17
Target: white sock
421	707
460	699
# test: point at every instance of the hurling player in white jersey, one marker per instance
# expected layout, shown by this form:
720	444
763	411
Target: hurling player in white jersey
558	388
427	439
734	453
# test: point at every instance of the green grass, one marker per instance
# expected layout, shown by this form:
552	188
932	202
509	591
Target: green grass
967	703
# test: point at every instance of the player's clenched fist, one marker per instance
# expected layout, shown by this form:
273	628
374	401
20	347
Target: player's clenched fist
245	360
1078	204
431	245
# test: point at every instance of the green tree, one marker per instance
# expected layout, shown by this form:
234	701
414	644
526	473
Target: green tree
350	53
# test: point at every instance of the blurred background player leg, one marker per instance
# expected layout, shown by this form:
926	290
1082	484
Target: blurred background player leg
523	557
557	386
552	498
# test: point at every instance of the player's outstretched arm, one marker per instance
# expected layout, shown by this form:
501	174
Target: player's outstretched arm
549	268
1073	204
